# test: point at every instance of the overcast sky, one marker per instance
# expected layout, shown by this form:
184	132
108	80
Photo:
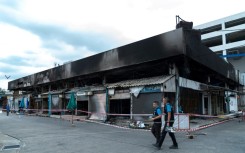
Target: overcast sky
35	34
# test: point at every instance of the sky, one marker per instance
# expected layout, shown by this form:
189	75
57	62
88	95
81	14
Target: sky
36	34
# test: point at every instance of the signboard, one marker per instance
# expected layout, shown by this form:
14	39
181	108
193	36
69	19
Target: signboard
181	122
150	89
233	104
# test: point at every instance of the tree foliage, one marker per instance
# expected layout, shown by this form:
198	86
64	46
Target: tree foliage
2	91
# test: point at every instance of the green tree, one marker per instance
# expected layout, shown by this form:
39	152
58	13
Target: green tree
2	91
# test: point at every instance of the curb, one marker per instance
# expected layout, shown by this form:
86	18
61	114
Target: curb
209	125
127	128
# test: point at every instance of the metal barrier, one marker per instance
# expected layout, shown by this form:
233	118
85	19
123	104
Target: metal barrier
243	115
183	122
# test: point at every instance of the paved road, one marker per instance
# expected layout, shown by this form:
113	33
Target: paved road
45	135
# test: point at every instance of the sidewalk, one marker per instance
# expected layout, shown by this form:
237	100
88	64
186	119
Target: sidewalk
195	124
201	122
9	144
64	117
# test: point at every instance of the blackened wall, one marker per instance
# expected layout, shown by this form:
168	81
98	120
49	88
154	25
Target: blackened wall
203	55
161	47
158	47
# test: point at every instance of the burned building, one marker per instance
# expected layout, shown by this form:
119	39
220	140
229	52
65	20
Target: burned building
126	80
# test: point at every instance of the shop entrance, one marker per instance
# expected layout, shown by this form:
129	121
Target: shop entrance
205	110
82	108
206	104
119	106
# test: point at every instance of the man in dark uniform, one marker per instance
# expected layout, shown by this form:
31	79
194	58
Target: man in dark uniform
7	109
156	128
169	121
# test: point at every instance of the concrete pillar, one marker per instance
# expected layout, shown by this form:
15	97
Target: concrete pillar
173	69
177	94
209	79
209	104
224	41
104	80
49	101
76	103
131	106
107	102
41	100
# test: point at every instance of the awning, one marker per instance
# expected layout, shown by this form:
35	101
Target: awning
141	82
86	89
186	83
54	92
217	88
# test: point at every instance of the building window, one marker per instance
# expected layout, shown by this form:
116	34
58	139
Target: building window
235	36
211	29
214	41
234	23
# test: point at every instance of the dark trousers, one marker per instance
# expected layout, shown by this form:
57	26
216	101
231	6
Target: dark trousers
164	132
156	131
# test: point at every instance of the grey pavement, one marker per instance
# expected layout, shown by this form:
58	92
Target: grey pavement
45	135
9	143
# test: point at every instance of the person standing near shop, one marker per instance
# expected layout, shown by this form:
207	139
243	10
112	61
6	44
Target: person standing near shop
7	109
169	121
156	128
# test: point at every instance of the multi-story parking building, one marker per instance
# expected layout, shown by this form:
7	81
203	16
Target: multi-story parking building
226	37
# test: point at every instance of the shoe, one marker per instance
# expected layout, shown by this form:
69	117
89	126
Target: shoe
173	147
157	146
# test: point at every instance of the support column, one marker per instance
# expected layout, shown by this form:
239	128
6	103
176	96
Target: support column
37	106
131	106
107	98
177	94
224	41
203	104
107	103
104	80
209	104
42	105
41	100
209	79
49	101
173	69
76	103
227	102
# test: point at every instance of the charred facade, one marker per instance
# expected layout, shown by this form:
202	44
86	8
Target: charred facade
176	55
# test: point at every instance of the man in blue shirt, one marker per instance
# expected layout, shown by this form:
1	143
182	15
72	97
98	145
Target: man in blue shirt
169	121
156	128
7	109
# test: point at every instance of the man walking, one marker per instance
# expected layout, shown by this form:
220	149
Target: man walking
156	128
7	109
169	121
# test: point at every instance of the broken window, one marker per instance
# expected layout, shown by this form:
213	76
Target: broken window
119	106
82	108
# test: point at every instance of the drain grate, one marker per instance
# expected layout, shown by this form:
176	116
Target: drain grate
11	147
